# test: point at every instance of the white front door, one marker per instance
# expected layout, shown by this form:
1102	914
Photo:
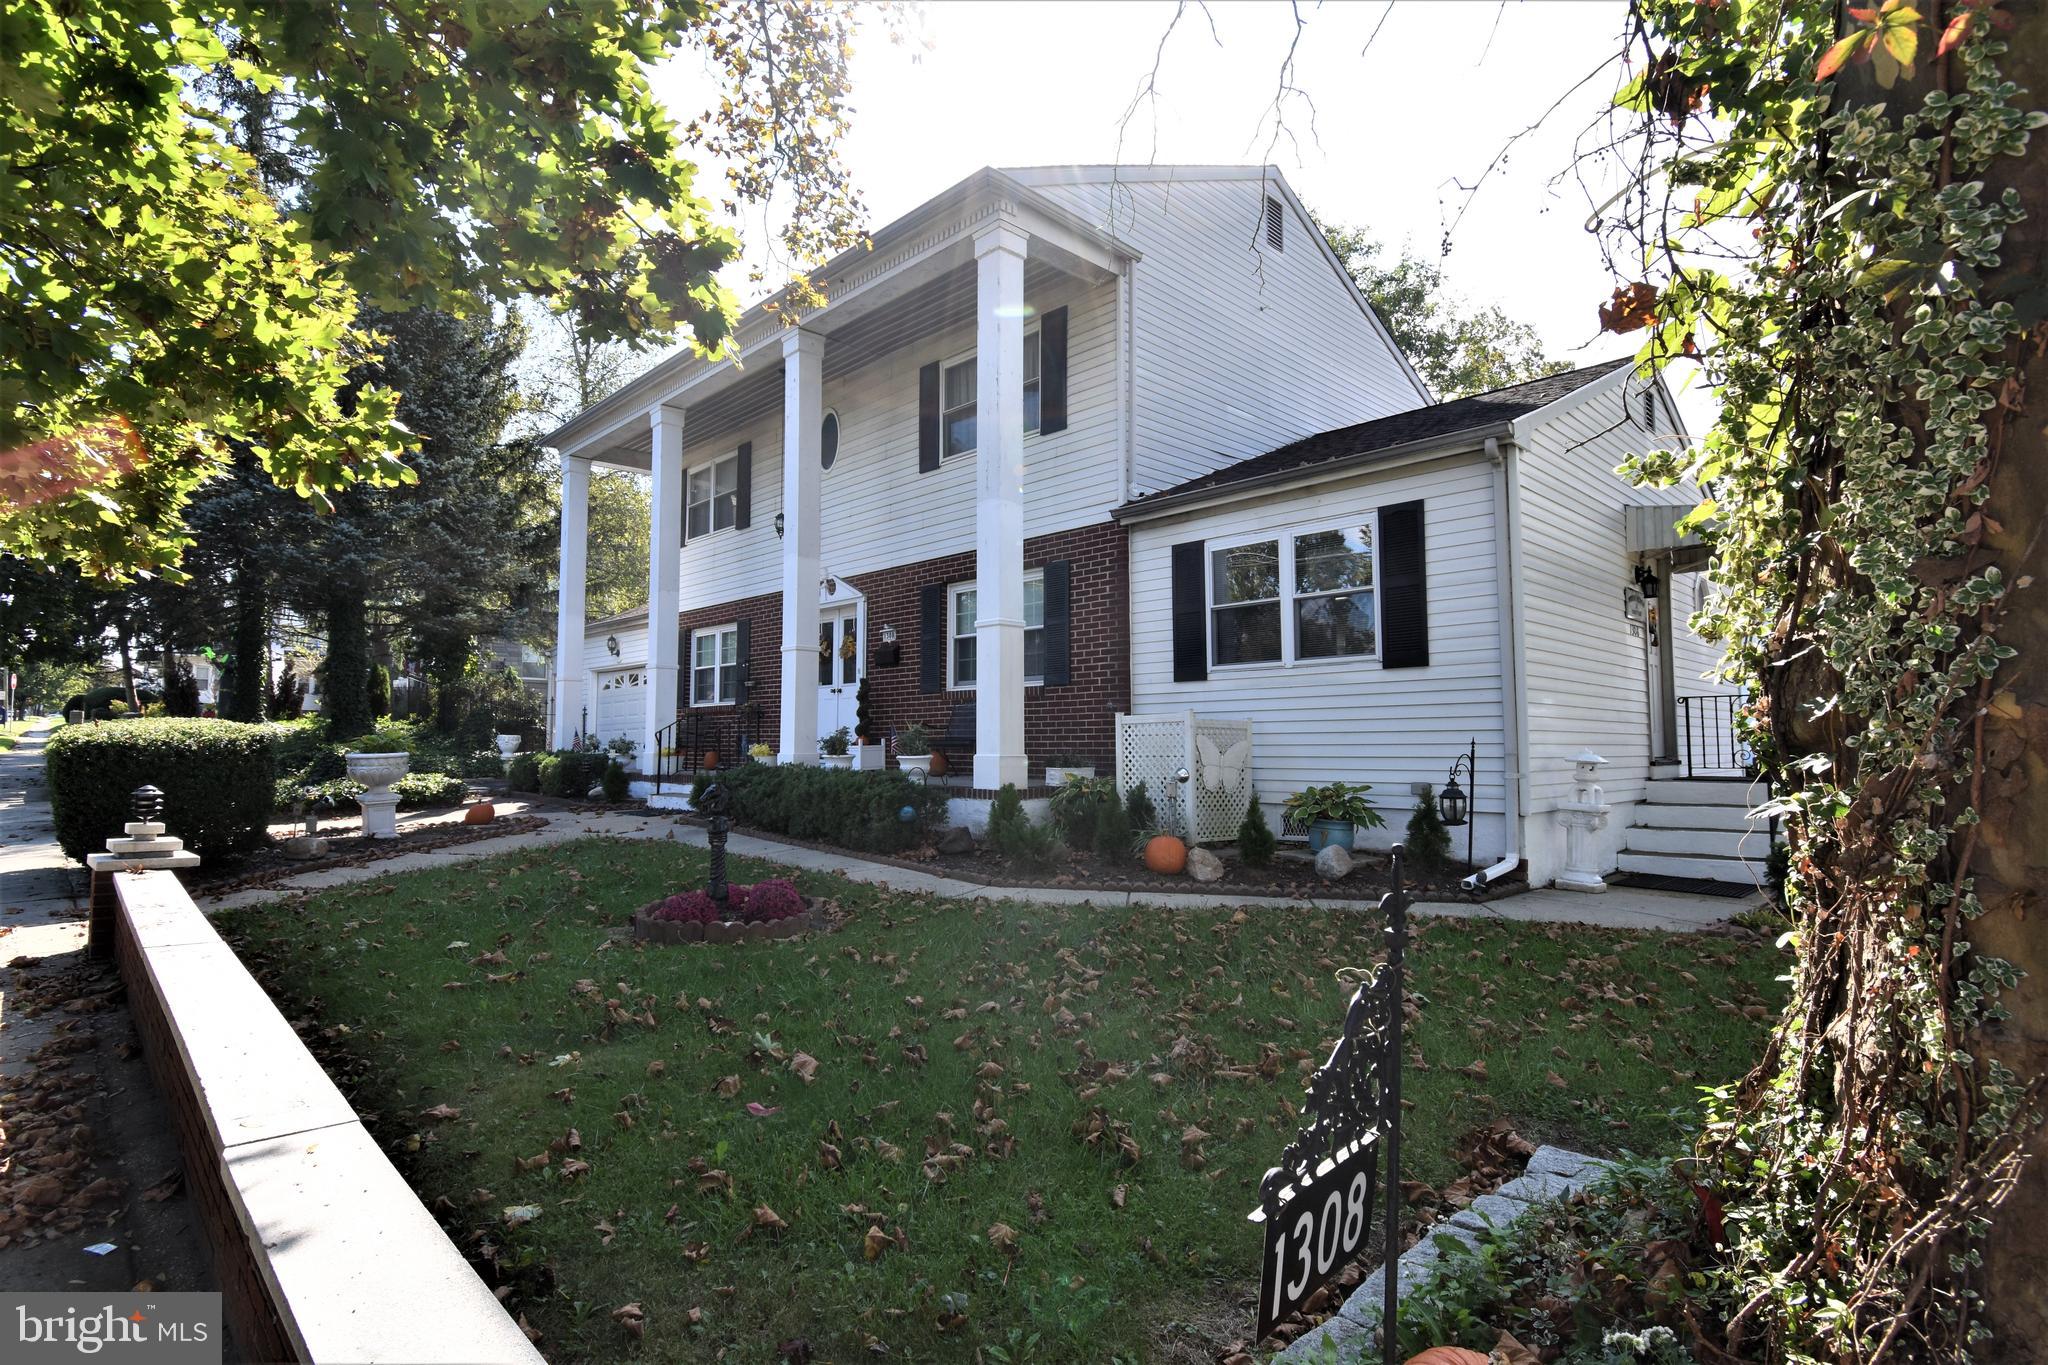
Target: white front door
621	704
839	667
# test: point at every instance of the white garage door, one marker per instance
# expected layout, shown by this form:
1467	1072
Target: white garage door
621	704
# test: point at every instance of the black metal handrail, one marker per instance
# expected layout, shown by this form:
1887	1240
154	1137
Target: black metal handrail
1710	744
697	742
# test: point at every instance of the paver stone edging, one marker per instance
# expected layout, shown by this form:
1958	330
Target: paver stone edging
1553	1173
322	1251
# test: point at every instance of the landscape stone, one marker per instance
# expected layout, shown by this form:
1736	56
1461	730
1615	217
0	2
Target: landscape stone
1571	1165
1333	863
305	846
958	839
1204	866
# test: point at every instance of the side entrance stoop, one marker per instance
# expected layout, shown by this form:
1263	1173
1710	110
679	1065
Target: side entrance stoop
1700	829
1553	1173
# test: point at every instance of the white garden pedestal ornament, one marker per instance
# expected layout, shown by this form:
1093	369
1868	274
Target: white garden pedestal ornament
508	745
1583	816
380	804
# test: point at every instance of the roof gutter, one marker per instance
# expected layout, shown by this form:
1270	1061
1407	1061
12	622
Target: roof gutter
1507	554
1408	452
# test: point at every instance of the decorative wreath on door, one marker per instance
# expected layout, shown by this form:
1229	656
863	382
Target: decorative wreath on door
846	648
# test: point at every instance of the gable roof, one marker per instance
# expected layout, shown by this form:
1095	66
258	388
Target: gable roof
1481	414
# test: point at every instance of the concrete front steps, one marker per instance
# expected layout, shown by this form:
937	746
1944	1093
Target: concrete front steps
1700	829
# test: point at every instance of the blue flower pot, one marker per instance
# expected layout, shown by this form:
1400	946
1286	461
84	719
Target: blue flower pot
1323	833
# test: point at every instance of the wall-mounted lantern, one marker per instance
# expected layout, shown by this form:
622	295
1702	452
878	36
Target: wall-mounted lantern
611	644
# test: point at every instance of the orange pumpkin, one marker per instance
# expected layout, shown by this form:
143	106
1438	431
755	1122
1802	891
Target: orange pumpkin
482	813
1166	855
711	760
938	768
1448	1355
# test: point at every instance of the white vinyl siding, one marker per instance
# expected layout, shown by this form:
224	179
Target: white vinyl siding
1588	680
1239	348
1350	719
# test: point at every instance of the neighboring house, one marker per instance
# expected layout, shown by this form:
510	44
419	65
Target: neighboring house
1074	442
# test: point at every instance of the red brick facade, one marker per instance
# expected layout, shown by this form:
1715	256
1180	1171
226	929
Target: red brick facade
1077	718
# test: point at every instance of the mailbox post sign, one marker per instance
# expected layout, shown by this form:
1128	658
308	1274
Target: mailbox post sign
1318	1203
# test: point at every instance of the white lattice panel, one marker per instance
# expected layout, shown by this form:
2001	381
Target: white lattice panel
1217	756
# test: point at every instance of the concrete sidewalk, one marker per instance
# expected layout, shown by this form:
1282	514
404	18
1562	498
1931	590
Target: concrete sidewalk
1619	908
67	1040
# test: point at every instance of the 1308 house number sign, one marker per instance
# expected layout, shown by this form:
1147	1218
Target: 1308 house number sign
1318	1203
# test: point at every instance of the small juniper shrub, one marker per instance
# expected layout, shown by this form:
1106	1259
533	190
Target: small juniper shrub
1139	812
1112	831
1012	836
1429	843
1255	841
616	787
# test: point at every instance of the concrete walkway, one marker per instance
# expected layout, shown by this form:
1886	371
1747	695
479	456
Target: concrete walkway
54	998
1619	908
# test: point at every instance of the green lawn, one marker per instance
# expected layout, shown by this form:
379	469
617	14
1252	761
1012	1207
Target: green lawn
931	1069
13	730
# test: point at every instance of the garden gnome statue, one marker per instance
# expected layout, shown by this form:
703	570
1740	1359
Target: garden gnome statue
1583	816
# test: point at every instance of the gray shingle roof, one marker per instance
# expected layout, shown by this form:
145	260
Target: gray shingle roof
1444	421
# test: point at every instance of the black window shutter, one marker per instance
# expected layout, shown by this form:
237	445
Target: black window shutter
1404	588
1190	614
684	671
928	418
931	638
743	499
1058	654
744	645
1052	372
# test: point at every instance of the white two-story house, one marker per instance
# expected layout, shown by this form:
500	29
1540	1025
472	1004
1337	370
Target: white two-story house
1074	442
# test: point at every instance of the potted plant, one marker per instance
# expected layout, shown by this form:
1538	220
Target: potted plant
914	749
1060	767
1333	813
762	753
834	749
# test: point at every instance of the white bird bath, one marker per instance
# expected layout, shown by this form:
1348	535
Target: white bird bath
380	804
508	745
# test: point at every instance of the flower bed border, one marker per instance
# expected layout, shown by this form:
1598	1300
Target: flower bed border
647	929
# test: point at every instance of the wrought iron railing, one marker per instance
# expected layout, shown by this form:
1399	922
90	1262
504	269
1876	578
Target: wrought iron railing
1709	743
698	742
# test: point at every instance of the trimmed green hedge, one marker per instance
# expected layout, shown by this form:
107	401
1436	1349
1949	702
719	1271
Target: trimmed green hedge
857	810
217	777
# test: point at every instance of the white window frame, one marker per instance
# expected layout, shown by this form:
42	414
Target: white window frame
1288	596
719	633
967	358
953	591
731	457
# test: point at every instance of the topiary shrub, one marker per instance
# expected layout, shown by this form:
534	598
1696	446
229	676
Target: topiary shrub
1429	843
857	810
218	778
555	771
1011	834
522	774
1255	841
616	786
1139	810
428	789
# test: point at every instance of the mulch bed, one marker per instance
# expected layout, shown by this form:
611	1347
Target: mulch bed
268	866
1287	878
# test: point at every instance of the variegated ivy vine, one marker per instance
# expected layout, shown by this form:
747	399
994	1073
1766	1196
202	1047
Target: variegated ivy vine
1826	261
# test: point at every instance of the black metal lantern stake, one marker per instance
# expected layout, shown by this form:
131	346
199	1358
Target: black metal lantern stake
717	808
1452	802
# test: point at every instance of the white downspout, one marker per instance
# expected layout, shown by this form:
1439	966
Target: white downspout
1507	546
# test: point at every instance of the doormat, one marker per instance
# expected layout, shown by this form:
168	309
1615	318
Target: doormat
1698	886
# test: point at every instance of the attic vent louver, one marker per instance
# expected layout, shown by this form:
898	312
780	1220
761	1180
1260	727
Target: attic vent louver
1276	225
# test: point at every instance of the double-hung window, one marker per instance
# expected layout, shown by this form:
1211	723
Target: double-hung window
961	646
1293	597
715	666
713	497
959	399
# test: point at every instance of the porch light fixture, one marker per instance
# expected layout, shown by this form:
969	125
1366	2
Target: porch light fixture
1452	802
779	526
611	644
888	634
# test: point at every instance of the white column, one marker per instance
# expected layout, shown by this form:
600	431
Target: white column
569	607
664	576
803	409
999	509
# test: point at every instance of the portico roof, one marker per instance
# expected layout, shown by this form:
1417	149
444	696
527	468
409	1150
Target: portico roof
923	259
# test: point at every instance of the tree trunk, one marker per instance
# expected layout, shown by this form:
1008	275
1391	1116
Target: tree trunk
245	701
2011	859
347	702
